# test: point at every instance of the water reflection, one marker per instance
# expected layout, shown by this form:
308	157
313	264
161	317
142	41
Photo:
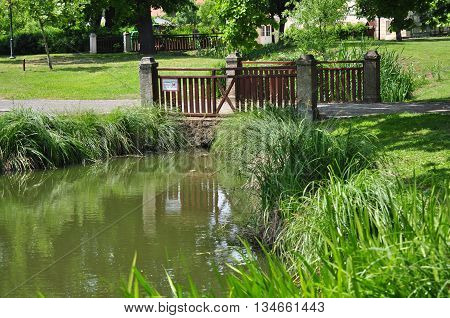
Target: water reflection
81	226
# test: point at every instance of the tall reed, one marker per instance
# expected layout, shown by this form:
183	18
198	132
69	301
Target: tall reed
35	140
282	151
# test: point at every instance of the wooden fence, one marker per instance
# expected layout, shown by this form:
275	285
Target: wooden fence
191	94
265	84
340	84
244	86
172	43
110	44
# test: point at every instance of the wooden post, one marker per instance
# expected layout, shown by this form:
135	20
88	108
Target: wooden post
372	74
148	79
307	85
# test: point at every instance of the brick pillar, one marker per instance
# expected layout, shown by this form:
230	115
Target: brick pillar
148	79
372	88
126	42
307	85
233	61
93	43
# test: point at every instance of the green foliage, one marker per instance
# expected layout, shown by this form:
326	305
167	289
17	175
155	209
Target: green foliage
59	41
241	19
36	140
369	236
283	151
399	12
318	19
346	31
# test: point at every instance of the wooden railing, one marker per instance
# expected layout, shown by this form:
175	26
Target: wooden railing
194	94
259	86
340	84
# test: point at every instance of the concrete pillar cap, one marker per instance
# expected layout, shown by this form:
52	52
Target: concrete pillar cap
234	56
372	55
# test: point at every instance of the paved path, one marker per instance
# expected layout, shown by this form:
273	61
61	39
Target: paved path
331	110
65	106
352	110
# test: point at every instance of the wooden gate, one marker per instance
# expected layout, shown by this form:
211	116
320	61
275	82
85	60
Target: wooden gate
205	91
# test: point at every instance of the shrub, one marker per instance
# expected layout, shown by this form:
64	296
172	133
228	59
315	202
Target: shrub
346	31
70	41
35	140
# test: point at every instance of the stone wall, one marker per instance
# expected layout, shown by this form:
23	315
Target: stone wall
200	132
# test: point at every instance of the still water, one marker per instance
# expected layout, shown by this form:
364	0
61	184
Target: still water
73	232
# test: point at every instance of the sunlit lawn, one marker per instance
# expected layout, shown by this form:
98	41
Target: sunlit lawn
83	76
414	143
430	58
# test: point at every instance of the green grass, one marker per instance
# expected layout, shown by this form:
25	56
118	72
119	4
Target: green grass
83	76
414	143
36	140
428	57
114	76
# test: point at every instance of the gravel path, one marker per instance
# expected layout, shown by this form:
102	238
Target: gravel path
327	111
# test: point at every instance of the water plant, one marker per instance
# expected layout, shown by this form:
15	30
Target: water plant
31	139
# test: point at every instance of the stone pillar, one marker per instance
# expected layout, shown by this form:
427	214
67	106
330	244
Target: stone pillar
148	79
93	43
233	61
307	85
372	86
126	42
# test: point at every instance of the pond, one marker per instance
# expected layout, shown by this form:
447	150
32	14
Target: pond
73	232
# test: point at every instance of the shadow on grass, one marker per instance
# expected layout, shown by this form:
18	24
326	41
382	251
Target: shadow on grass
86	58
416	136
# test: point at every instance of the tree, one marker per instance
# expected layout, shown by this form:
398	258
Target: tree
139	12
208	18
51	12
435	13
187	15
399	10
278	8
318	19
240	20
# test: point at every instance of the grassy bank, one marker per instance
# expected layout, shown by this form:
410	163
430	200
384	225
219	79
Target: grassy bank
36	140
339	221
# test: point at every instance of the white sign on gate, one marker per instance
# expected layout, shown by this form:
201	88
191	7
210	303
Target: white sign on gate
170	85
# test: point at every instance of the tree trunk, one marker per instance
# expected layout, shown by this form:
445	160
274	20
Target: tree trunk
145	28
282	27
398	35
44	37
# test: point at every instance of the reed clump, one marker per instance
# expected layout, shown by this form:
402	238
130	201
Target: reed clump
31	139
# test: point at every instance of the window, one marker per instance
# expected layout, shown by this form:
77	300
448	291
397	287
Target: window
388	25
266	30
